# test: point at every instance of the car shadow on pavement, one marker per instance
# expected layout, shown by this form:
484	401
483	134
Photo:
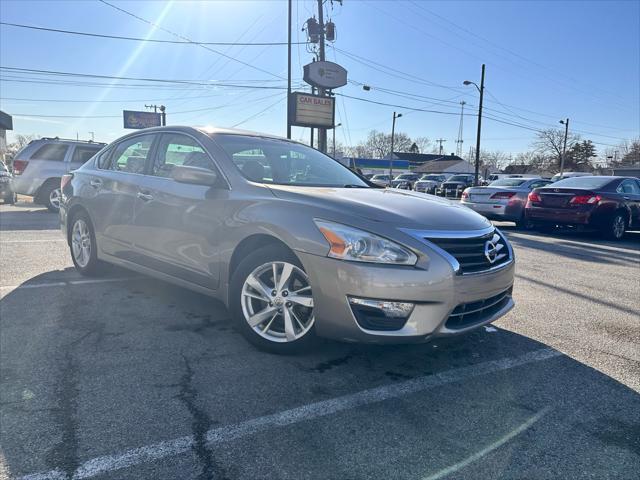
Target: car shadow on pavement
29	220
90	370
581	251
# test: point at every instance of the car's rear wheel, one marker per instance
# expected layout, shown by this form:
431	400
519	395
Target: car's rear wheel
50	195
83	246
615	228
272	302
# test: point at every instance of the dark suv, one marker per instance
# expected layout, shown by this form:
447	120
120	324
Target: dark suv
455	185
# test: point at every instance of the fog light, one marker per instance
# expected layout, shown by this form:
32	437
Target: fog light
380	314
390	309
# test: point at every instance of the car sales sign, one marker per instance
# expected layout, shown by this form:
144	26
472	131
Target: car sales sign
133	119
312	110
325	75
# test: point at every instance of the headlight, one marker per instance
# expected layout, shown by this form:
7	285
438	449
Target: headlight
348	243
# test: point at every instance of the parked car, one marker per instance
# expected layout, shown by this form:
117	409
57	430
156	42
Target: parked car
405	181
429	183
558	177
381	179
6	185
304	247
455	185
502	199
608	204
40	165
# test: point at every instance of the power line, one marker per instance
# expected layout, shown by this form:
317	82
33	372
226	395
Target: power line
137	79
148	40
206	47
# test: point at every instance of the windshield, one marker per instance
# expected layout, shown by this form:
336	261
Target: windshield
280	162
459	178
508	182
589	183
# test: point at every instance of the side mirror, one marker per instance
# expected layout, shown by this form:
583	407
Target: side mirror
194	175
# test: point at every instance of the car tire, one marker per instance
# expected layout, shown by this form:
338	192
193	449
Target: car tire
615	227
50	195
83	246
279	325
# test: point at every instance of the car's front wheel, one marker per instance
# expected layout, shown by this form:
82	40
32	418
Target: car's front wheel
83	245
271	300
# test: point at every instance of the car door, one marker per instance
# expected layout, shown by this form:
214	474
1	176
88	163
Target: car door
176	224
630	191
115	186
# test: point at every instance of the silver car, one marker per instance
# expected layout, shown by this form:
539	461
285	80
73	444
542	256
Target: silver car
502	199
429	183
39	166
293	242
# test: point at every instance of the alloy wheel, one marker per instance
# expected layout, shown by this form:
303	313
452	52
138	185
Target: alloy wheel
277	303
54	198
81	243
618	226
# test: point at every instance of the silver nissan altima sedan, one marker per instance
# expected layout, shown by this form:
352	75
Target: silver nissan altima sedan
294	243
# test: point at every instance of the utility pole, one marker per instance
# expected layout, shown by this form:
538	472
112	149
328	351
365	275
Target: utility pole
564	145
459	141
322	132
393	133
289	75
440	141
163	114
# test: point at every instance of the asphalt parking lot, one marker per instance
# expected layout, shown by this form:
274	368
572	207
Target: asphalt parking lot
125	377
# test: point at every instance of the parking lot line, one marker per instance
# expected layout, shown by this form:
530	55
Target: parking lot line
10	288
39	240
168	448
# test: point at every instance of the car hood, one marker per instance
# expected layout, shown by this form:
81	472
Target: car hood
401	208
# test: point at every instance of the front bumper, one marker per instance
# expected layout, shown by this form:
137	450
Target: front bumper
437	292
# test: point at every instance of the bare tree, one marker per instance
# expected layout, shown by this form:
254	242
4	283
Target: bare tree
550	143
422	143
20	141
379	143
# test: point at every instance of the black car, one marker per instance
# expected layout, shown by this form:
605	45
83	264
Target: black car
610	205
6	187
455	185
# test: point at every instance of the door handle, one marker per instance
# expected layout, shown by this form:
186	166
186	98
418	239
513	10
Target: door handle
96	183
145	196
626	198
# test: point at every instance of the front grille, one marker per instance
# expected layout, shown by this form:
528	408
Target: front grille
475	254
467	314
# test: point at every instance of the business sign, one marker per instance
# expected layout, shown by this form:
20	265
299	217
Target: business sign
325	75
134	119
312	110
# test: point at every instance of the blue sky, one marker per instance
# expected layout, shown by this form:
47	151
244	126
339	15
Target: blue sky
545	61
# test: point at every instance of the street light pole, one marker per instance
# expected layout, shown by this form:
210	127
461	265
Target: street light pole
289	76
481	90
564	145
334	138
393	133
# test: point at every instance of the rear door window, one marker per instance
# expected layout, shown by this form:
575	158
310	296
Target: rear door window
54	152
629	187
130	155
81	154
